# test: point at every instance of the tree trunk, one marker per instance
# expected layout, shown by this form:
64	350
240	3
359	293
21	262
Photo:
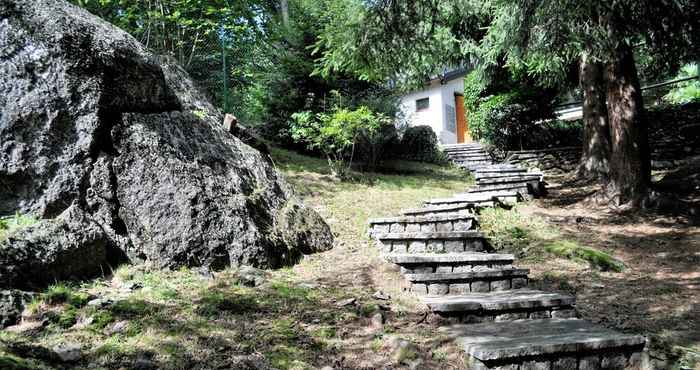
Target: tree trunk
630	165
284	10
595	158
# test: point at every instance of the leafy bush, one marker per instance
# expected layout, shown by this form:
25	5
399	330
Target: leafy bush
419	143
337	134
509	120
687	91
509	115
374	146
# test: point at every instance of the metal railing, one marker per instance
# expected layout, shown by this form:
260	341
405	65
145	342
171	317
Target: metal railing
577	104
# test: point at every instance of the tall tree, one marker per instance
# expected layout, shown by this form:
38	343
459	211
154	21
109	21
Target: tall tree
542	38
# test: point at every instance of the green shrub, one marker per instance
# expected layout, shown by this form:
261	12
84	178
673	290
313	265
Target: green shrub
512	118
337	134
687	91
419	143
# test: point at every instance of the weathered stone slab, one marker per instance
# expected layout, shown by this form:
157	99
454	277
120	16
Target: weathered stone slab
500	300
423	219
508	179
462	221
526	338
442	209
405	259
473	275
452	235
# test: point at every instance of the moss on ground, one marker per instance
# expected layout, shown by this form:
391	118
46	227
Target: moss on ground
532	238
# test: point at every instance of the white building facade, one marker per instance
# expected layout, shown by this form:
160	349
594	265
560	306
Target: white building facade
440	106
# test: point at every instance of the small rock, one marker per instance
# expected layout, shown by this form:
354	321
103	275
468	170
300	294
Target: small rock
401	349
68	352
100	302
347	302
118	327
597	286
377	320
144	364
251	276
83	322
27	327
11	306
417	364
381	295
205	272
132	286
308	285
328	368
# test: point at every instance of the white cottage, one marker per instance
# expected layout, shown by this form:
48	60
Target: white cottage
440	105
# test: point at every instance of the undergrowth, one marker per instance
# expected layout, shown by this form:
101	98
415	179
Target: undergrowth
8	224
530	237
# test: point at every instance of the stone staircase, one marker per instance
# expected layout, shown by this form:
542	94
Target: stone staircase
469	156
482	297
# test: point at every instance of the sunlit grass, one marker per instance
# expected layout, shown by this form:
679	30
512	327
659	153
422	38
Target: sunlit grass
9	224
532	238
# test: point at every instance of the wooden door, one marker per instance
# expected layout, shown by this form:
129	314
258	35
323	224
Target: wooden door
463	135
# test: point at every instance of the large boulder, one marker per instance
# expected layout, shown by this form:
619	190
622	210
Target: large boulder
70	246
90	119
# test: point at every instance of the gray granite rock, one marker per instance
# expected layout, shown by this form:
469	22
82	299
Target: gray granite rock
129	138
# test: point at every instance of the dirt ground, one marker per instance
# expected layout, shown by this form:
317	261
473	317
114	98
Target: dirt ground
658	294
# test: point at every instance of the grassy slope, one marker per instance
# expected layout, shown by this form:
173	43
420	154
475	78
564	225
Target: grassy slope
181	319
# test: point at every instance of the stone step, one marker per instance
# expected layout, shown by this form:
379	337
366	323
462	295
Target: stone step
480	161
448	208
548	344
468	152
461	146
482	280
523	187
462	221
495	196
427	263
509	178
503	305
431	242
419	262
491	170
469	155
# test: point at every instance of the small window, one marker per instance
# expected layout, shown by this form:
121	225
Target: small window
422	104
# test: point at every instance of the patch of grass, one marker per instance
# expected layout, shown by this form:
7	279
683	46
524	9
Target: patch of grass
439	355
531	237
597	259
8	224
68	317
510	230
65	293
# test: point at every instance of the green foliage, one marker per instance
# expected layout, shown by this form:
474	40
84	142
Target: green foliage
508	120
197	33
61	293
688	91
336	134
419	143
597	259
10	223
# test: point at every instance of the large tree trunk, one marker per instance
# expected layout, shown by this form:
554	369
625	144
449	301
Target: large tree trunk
630	167
595	158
